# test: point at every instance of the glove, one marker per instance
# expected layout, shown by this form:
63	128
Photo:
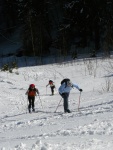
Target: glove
63	94
80	90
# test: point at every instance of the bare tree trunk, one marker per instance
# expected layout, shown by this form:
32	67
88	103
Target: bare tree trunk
32	39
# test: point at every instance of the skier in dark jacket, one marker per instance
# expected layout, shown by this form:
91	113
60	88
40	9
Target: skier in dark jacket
64	91
52	86
31	92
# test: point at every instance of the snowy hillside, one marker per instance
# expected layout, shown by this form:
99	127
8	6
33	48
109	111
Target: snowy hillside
90	128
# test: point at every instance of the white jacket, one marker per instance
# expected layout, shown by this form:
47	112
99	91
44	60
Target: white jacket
66	89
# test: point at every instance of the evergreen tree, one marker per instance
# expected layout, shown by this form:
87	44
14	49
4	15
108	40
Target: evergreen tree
36	33
88	20
10	13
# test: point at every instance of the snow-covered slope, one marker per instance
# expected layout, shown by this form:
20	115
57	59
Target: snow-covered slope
90	128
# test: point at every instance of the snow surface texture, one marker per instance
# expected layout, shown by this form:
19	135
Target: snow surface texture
90	128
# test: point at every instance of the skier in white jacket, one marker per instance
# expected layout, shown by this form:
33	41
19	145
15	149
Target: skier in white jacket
64	91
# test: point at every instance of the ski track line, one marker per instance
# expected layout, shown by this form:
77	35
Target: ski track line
49	117
90	106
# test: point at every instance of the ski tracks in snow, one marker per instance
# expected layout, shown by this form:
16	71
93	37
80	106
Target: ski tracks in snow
45	125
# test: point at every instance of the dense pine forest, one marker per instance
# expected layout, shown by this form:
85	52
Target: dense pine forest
65	26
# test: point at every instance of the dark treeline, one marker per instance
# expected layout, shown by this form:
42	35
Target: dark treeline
60	24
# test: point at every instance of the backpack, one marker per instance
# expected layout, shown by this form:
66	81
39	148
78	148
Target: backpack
65	81
32	92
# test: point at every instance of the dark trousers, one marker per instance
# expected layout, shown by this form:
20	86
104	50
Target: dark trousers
31	102
65	98
52	89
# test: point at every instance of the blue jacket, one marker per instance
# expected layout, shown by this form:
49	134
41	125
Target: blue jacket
66	89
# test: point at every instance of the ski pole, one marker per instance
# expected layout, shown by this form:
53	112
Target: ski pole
79	101
58	105
40	101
